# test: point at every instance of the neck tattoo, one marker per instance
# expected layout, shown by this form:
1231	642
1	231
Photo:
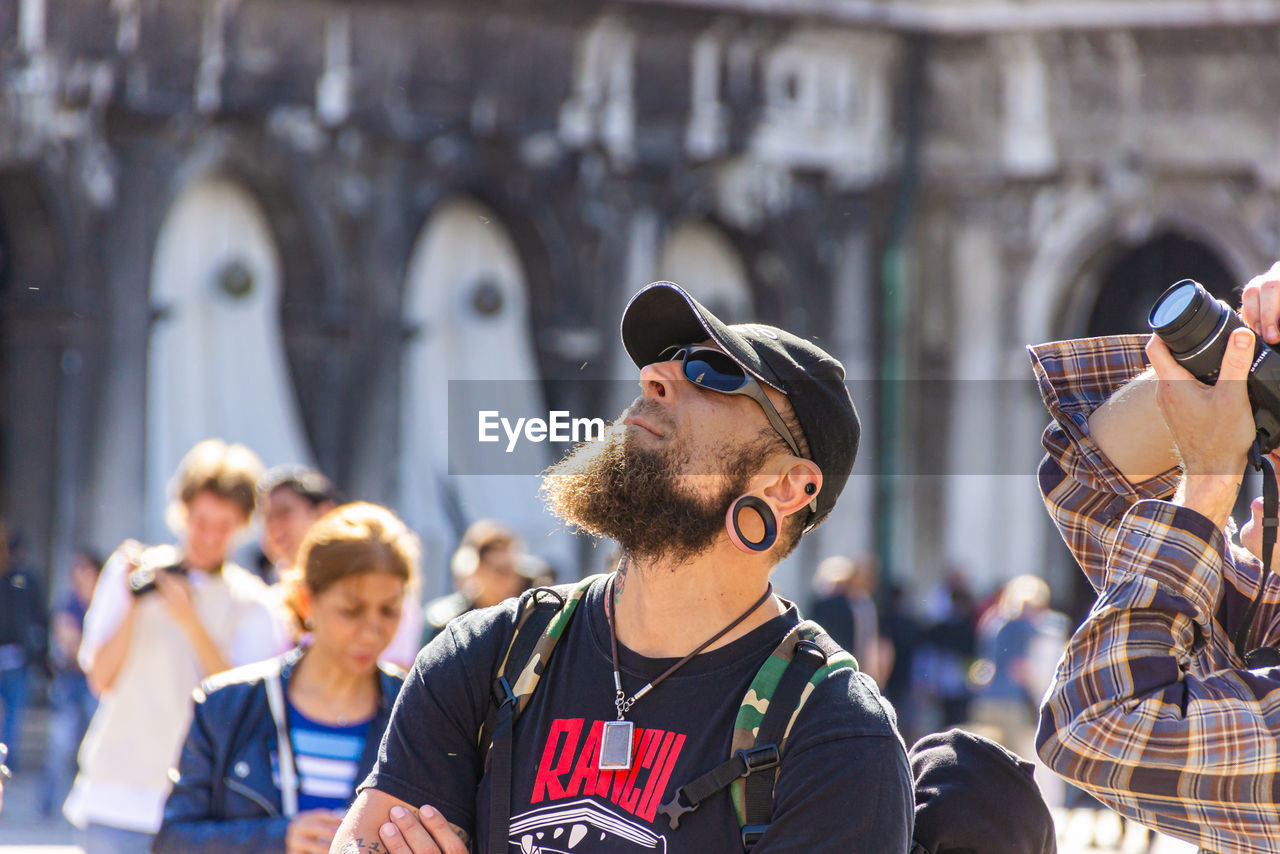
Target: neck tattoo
616	740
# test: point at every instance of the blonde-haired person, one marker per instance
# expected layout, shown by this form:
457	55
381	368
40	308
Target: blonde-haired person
161	620
1017	640
235	791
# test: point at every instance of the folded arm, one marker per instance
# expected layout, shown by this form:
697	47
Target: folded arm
378	823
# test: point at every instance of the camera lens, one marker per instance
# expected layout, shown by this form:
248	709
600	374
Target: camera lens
1171	305
1194	325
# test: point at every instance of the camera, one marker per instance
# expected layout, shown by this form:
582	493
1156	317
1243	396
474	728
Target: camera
1196	327
151	563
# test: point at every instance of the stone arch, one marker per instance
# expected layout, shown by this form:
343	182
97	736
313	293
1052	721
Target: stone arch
1134	276
466	304
701	258
216	362
1088	235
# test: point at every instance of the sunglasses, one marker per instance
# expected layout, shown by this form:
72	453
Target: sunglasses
712	369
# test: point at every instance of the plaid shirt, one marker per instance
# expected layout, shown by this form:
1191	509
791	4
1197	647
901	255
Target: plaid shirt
1151	710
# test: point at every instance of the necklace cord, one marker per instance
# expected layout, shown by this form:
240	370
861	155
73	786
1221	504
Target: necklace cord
621	700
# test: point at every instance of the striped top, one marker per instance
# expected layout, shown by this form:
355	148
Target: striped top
328	759
1151	711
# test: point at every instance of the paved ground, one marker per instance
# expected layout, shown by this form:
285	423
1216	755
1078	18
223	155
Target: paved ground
24	831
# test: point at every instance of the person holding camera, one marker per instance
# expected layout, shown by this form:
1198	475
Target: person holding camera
162	619
1154	708
275	749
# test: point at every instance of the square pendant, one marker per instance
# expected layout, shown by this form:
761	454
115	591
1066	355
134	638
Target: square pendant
615	746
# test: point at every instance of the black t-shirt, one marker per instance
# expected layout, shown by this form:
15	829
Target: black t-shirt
843	785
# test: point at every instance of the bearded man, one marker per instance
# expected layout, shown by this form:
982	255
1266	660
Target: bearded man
740	441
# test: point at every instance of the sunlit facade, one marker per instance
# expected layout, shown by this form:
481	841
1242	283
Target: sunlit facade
292	223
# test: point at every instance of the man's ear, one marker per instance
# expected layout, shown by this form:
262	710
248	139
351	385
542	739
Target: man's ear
796	486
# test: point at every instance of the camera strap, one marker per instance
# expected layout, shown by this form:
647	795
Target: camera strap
1266	656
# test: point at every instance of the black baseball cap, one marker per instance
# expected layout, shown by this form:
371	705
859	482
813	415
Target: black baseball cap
663	315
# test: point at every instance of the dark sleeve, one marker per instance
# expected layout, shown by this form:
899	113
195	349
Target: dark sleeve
36	643
429	752
844	785
190	824
41	615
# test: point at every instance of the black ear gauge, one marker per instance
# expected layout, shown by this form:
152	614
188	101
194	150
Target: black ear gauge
810	488
766	517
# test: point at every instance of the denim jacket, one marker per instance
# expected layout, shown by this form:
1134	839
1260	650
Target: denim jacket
224	800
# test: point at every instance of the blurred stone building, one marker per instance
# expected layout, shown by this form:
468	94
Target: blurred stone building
292	223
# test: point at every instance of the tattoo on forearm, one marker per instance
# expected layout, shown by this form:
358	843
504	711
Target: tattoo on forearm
360	846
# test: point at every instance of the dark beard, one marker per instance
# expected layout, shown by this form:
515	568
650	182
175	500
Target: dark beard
616	488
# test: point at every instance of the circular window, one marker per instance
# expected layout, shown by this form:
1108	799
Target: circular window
235	279
486	298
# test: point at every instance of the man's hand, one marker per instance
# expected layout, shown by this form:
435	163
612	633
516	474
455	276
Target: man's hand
378	823
1212	426
424	833
311	832
175	592
179	602
1260	304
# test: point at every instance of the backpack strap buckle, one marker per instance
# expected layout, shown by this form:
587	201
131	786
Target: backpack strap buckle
751	834
760	758
502	692
674	810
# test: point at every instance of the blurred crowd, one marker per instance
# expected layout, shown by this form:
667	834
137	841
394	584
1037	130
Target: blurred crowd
126	641
962	659
335	601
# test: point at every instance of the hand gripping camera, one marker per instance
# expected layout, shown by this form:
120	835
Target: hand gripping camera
151	563
1196	327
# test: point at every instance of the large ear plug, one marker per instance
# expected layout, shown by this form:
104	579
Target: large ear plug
760	524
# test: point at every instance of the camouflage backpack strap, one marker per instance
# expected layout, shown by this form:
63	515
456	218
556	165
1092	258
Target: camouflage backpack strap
783	684
532	668
541	620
